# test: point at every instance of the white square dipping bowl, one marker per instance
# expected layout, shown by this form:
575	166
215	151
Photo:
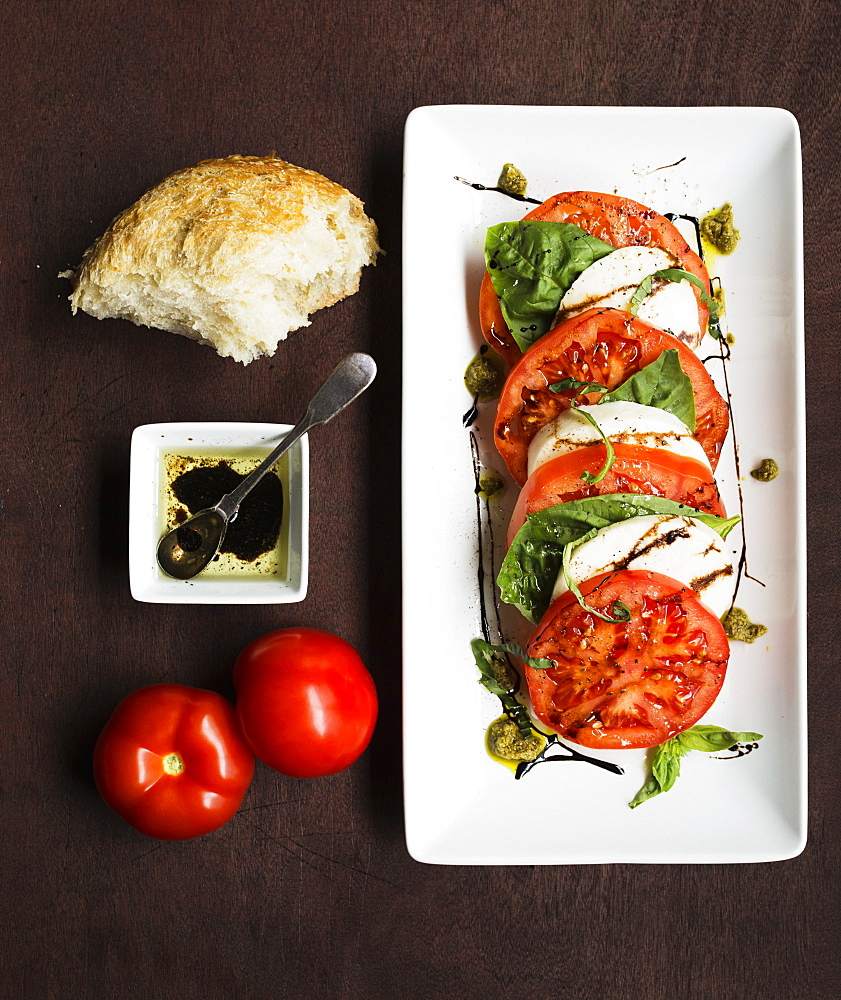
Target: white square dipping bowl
150	444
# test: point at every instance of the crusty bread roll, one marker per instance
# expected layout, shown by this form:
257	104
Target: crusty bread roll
234	253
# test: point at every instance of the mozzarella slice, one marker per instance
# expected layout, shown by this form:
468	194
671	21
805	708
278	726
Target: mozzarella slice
612	281
679	547
623	423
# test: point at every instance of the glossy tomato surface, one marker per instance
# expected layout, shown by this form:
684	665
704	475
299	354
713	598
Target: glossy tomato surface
492	323
306	703
619	221
605	346
627	684
172	762
651	471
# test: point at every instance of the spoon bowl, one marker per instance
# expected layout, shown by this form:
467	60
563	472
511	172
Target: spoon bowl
186	549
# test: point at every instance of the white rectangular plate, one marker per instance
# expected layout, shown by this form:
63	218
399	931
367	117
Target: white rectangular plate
460	806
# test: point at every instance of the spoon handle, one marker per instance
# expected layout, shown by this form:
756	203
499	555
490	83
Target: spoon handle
348	380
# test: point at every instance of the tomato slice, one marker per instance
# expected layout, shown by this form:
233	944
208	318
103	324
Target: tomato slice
634	684
613	219
605	346
653	471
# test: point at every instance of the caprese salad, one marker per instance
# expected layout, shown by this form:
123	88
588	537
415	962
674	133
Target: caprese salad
612	428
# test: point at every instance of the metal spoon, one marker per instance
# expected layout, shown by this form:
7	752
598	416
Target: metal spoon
187	549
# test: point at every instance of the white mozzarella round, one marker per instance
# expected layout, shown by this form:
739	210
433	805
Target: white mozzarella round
679	547
612	281
623	423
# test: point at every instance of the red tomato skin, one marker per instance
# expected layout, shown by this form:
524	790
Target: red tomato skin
161	719
601	677
306	703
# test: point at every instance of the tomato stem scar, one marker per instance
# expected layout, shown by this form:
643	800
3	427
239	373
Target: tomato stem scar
173	764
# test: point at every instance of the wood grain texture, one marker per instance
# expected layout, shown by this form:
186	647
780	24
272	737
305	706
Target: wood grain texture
309	891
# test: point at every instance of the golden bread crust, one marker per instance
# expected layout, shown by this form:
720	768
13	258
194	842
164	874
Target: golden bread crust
206	251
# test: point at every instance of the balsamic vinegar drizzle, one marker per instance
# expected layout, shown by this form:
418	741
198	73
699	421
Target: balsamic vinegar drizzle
565	752
696	222
742	750
483	528
469	418
510	194
667	166
724	356
485	536
742	569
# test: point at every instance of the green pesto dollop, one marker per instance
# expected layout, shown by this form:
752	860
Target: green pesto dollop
503	673
512	180
505	740
490	483
482	378
766	470
718	230
737	625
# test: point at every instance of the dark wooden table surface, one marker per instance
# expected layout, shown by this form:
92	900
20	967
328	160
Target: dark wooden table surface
309	891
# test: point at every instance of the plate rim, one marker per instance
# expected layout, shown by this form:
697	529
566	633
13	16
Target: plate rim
419	116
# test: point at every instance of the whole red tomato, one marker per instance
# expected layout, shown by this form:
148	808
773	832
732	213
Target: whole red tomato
172	762
305	701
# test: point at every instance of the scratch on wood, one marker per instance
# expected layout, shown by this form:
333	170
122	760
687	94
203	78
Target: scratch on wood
294	854
323	857
146	854
270	805
87	399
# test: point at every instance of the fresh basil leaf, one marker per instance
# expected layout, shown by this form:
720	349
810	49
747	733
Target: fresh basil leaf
531	566
663	384
485	652
494	672
713	738
573	383
677	274
610	458
665	766
621	611
643	290
648	791
532	264
665	770
623	615
535	662
489	673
